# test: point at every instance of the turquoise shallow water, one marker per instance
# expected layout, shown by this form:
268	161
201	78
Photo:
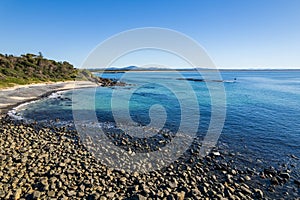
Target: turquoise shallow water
262	108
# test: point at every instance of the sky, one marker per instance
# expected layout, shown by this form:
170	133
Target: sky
235	33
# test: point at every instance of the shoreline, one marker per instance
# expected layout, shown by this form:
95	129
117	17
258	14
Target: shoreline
17	95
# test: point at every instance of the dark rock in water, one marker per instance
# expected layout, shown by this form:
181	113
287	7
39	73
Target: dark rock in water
297	182
284	175
281	180
245	189
271	189
294	157
262	175
199	80
259	194
270	171
274	181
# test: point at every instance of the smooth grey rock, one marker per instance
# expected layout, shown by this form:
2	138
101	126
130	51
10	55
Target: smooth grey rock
36	194
51	193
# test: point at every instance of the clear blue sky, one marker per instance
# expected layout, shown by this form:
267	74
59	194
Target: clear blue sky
235	33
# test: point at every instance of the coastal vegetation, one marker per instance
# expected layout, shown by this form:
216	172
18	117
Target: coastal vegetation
30	68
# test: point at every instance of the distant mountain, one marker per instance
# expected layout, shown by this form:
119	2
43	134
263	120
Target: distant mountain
117	68
130	68
135	68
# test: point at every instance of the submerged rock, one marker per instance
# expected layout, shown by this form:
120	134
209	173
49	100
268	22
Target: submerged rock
284	175
259	193
297	182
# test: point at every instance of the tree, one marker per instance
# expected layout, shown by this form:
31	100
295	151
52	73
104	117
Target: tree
40	55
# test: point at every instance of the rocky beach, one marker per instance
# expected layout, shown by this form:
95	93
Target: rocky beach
48	162
42	163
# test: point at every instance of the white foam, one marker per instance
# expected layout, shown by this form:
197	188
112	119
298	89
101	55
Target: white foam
56	95
14	115
14	112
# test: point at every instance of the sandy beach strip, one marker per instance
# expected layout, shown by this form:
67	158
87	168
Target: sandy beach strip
11	97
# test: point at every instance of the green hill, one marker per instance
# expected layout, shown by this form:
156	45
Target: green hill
32	68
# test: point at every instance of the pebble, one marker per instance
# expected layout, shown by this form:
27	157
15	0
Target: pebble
180	195
173	184
62	164
123	179
110	195
233	172
247	178
2	193
51	193
71	193
36	194
18	193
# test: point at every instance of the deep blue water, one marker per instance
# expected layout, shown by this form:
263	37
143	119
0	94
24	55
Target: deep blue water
262	108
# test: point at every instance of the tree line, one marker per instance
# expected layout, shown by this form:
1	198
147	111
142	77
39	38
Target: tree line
30	68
